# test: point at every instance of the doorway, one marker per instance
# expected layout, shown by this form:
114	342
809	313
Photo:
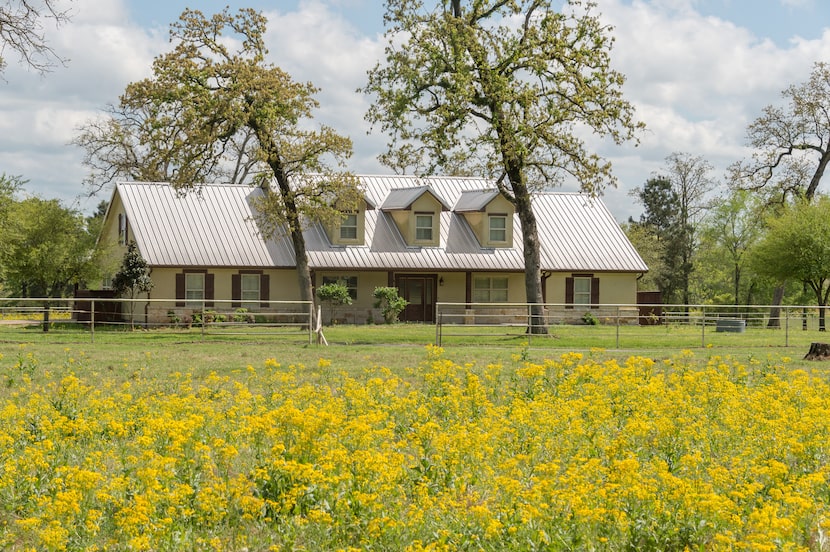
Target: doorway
419	291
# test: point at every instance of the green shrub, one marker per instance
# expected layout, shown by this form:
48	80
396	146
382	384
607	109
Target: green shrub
390	303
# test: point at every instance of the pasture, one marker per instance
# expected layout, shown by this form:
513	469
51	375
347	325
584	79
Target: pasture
160	441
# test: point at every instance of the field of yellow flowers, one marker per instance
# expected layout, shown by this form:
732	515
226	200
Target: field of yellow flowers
572	453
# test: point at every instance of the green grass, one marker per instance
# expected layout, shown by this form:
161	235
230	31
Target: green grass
397	346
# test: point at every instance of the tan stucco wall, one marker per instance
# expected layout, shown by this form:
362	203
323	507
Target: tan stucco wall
108	240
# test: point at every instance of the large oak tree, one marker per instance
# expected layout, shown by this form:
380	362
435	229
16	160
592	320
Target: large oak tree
504	88
213	100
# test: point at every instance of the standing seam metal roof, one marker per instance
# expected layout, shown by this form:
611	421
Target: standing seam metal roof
216	228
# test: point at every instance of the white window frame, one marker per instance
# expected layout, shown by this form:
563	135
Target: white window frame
349	281
582	290
194	289
501	232
490	289
424	232
348	225
250	288
122	229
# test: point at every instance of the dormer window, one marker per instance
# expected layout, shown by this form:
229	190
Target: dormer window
490	216
348	227
416	211
423	226
498	228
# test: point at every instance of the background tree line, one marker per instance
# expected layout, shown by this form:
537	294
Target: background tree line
759	237
46	248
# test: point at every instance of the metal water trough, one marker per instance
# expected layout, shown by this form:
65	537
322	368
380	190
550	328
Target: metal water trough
734	325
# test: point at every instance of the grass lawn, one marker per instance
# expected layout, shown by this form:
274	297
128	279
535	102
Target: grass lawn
171	440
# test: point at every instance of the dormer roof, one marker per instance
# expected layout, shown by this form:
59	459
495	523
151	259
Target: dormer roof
474	200
401	199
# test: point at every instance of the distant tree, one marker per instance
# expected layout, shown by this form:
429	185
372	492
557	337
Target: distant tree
797	246
651	249
660	222
132	278
21	32
501	89
728	232
45	249
674	204
792	150
206	101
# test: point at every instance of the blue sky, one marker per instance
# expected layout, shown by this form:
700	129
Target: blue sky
698	72
778	20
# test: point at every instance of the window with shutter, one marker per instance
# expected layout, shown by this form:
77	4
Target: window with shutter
582	290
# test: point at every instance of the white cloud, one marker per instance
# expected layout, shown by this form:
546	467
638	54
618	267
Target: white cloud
316	45
697	82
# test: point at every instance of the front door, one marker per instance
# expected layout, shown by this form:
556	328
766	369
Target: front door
419	291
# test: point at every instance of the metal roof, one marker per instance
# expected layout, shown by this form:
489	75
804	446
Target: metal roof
216	228
403	198
474	200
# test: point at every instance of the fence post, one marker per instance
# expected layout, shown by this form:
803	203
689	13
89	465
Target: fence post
529	323
311	322
703	327
618	326
92	320
786	327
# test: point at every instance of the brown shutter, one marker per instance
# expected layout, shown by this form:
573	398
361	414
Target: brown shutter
209	290
264	290
236	290
569	292
180	289
594	293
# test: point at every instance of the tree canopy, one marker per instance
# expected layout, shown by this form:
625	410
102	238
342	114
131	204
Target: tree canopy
673	205
500	88
797	246
45	248
213	102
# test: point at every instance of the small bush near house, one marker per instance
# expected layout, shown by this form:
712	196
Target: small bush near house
390	303
334	294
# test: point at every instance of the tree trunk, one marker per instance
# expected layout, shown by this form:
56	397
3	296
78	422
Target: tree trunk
775	310
295	228
532	256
